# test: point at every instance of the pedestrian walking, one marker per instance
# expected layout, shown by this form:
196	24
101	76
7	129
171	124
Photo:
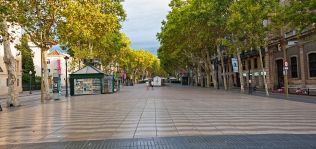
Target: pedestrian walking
151	85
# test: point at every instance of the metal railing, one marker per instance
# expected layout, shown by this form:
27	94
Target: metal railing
26	87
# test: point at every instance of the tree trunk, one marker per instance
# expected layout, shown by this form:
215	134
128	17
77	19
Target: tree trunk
134	77
147	75
9	61
208	79
45	93
207	72
283	48
200	76
223	67
196	76
214	76
210	72
263	71
241	77
131	77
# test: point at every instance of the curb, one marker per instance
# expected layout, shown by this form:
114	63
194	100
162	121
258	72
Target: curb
21	95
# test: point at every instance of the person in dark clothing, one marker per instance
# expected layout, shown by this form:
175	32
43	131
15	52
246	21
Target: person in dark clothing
151	84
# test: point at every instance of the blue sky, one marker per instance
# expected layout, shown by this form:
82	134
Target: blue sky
144	21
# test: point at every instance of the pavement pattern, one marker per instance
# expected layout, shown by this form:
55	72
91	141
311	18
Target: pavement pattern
165	113
187	142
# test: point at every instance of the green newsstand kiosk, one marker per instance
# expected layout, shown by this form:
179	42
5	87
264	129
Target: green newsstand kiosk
87	81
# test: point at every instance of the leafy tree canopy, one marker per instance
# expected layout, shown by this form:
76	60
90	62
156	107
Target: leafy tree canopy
27	59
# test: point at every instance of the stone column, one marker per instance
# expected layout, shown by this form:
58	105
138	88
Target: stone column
302	65
266	62
270	68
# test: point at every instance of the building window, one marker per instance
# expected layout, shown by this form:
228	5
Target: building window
312	64
294	67
249	64
256	63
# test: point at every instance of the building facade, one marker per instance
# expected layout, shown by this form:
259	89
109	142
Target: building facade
56	64
36	58
18	58
301	59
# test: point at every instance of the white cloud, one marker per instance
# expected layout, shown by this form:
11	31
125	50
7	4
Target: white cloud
144	21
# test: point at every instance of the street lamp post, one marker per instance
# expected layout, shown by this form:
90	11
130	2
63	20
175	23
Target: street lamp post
66	62
249	81
117	74
30	82
112	67
249	75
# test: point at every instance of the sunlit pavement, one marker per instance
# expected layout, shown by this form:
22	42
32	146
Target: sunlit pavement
166	117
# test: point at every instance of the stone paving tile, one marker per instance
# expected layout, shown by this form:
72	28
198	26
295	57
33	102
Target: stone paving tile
167	111
270	141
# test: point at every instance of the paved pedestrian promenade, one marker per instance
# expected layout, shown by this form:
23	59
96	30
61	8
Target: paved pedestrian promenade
170	113
270	141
